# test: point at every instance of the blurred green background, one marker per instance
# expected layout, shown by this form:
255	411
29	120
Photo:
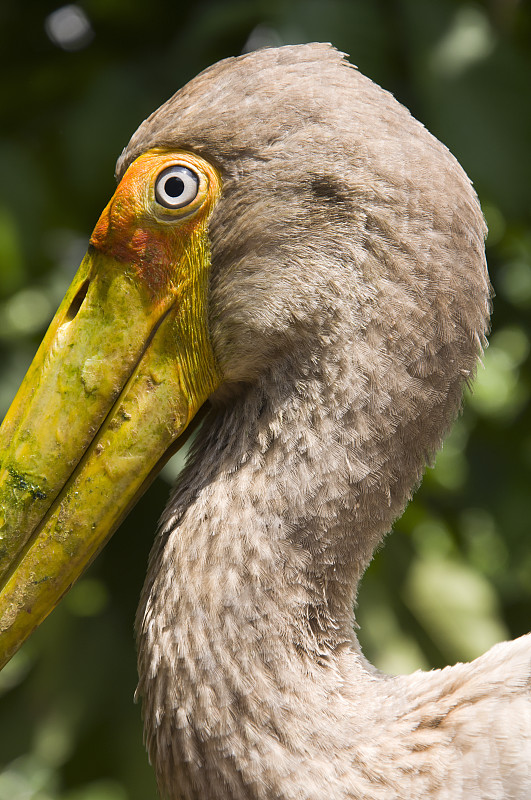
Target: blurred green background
456	575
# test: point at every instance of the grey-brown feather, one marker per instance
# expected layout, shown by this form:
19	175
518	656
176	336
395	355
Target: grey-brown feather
349	303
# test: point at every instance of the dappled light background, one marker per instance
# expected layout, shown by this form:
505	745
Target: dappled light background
455	577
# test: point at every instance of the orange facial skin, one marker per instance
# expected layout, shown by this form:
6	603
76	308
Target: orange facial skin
136	230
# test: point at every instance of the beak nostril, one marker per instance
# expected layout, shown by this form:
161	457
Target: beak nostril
77	302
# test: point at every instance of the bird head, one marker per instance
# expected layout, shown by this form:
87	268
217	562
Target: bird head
280	216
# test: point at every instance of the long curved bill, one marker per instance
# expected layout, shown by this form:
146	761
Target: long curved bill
123	368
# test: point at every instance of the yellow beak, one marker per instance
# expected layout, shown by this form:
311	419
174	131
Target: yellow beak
123	368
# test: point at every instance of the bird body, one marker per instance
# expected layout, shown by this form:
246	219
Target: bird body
348	301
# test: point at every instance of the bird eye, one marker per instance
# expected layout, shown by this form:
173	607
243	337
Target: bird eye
176	187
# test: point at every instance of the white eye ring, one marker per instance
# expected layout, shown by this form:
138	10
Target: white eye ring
176	187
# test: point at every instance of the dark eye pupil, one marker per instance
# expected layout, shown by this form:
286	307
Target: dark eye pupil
174	186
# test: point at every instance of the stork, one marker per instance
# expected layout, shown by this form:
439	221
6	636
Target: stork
293	256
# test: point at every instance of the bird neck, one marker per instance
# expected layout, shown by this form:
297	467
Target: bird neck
249	598
283	503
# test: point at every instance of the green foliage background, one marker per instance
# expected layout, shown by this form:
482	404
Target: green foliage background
456	575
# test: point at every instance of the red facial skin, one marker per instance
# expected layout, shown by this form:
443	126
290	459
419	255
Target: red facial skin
136	230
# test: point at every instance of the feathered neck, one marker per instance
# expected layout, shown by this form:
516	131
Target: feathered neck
246	625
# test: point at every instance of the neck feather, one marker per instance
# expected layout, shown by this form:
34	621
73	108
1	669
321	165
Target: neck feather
248	604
